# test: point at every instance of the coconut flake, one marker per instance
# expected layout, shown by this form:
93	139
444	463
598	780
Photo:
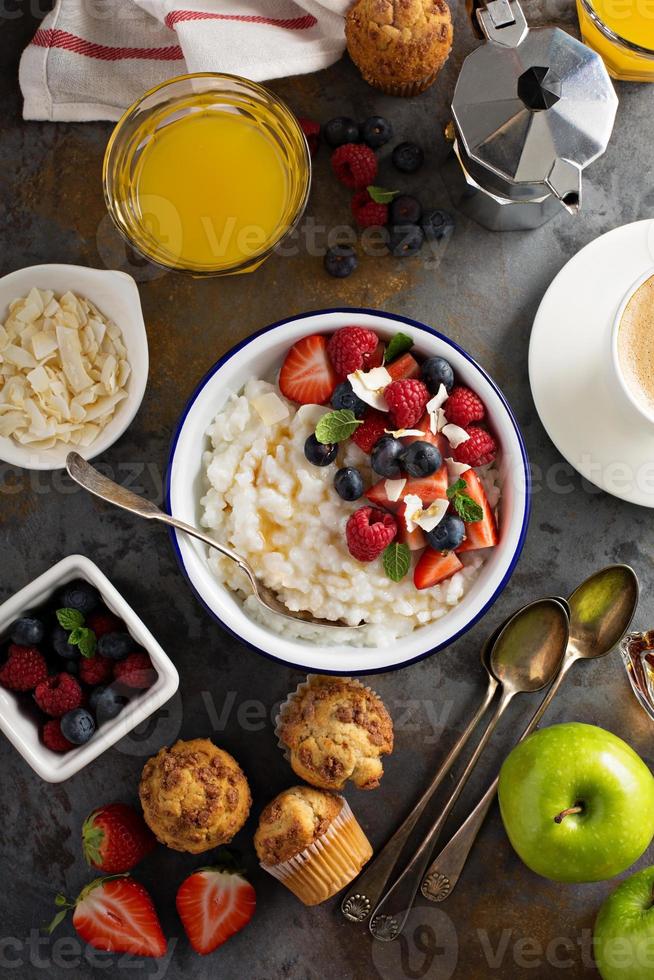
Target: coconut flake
363	383
430	518
400	433
434	409
271	408
454	434
394	488
454	468
412	509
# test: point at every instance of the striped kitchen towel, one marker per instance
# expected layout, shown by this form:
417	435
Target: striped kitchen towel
90	59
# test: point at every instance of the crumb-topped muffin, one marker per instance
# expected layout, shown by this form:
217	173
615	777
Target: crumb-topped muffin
194	796
311	842
334	730
399	46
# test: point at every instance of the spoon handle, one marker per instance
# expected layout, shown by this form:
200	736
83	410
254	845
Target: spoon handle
369	887
445	870
389	917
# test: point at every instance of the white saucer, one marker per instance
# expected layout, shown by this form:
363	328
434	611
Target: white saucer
582	407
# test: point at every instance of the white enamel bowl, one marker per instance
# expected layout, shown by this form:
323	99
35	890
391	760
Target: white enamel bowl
116	296
260	356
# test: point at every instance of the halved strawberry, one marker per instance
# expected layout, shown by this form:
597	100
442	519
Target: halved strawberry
376	359
436	439
307	376
213	905
404	367
415	540
428	488
483	533
117	915
434	567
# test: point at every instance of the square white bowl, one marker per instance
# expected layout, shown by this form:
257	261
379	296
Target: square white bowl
17	724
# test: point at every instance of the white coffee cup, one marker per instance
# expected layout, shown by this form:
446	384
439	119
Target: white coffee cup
618	372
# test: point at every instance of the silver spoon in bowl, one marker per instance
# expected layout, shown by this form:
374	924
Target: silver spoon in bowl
95	482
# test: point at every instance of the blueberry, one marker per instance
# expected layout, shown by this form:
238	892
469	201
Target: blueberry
436	371
344	397
340	261
72	667
80	595
320	453
437	225
385	457
107	702
405	240
421	459
28	631
78	726
340	130
116	646
404	210
348	483
448	534
408	157
60	644
376	131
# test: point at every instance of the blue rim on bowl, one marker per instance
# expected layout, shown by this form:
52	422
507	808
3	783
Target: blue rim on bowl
524	460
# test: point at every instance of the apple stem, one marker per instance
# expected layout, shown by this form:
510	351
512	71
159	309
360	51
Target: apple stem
578	808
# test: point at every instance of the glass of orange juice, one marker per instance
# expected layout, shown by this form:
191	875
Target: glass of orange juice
622	32
206	174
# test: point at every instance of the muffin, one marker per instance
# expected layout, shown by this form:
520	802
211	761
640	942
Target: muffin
311	842
399	46
333	730
194	796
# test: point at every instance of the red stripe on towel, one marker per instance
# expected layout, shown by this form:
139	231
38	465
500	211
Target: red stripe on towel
53	38
289	23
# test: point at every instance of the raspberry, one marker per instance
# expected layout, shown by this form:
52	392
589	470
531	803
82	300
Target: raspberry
368	532
58	694
406	400
53	739
311	130
348	347
463	407
104	622
136	671
366	212
478	450
371	430
355	165
25	668
96	670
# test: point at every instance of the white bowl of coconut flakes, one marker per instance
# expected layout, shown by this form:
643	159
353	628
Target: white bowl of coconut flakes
73	362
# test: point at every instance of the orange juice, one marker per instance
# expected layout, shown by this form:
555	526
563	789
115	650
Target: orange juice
622	32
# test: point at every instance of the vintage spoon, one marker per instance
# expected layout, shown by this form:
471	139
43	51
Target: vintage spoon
601	610
369	887
95	482
525	658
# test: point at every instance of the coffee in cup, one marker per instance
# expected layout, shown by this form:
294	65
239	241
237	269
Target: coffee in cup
635	346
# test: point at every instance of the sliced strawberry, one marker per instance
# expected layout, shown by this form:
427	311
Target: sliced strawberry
437	439
116	915
428	488
483	533
415	540
404	367
435	567
376	359
307	376
213	905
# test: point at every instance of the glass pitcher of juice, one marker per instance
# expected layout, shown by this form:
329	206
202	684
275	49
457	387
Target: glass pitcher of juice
622	32
206	174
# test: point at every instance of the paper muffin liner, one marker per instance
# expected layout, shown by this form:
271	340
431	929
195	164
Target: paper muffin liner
403	89
329	864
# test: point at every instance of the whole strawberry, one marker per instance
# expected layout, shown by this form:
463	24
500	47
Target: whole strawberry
371	430
463	407
96	670
355	165
368	213
24	669
406	400
115	838
136	671
350	348
478	450
368	531
52	737
59	694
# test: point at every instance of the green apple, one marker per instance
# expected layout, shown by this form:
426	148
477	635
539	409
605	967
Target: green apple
624	930
577	803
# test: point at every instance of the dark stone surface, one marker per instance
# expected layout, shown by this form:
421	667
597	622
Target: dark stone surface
502	920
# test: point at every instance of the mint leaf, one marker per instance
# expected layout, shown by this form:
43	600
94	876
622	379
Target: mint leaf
396	559
70	619
85	639
380	195
336	426
400	344
467	508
